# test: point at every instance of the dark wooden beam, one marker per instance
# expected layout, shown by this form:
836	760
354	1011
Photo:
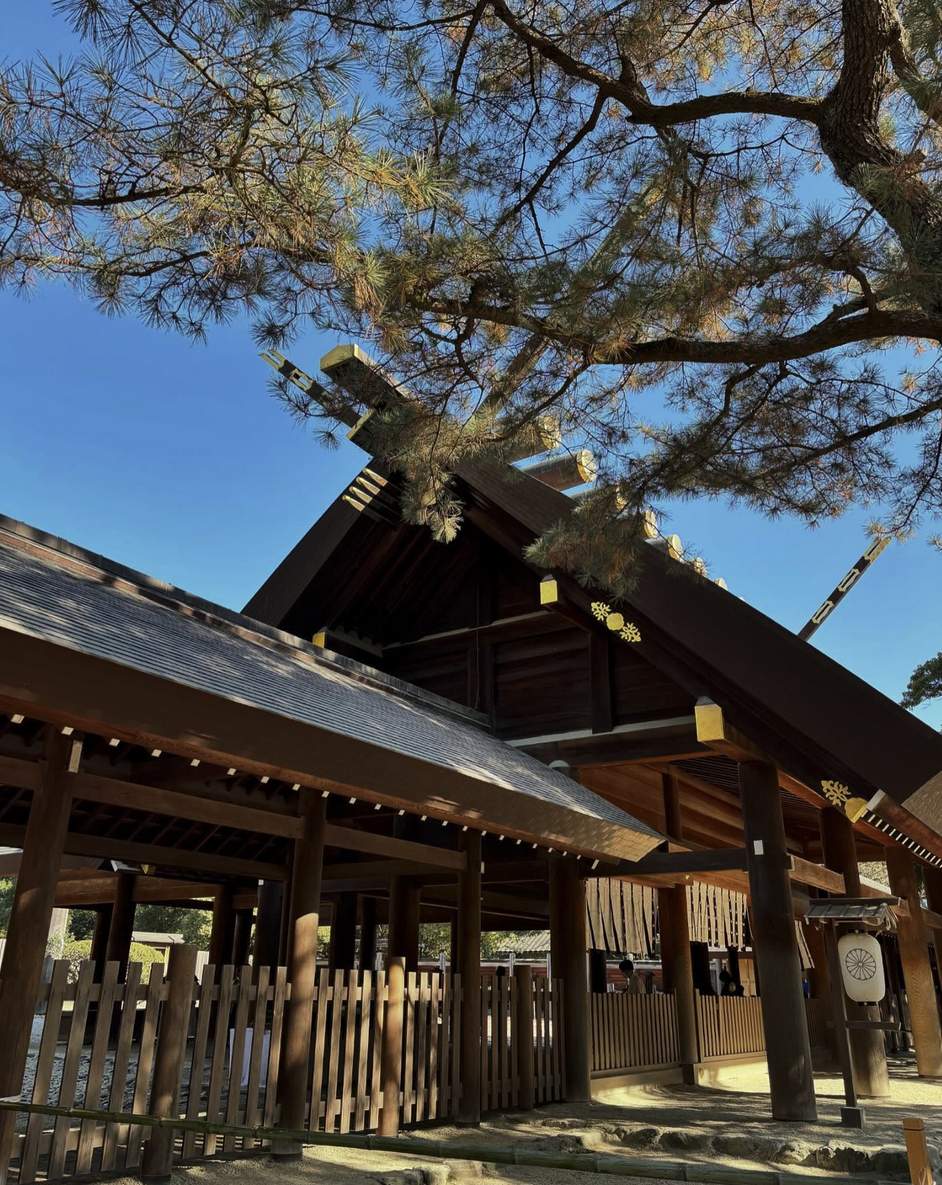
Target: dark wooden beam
144	853
355	840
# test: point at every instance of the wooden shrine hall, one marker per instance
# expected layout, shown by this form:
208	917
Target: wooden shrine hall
396	731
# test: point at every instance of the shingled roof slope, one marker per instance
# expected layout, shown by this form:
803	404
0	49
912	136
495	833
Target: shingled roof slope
78	605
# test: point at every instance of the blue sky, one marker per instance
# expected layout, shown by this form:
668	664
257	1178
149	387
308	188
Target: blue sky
172	458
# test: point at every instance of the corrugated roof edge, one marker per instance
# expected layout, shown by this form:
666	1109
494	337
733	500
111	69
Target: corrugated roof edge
172	597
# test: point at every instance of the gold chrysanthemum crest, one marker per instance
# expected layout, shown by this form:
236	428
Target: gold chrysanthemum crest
615	621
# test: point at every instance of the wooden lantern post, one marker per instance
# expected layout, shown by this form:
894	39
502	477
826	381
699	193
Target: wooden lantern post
676	957
568	951
867	1046
784	1017
469	968
917	971
304	917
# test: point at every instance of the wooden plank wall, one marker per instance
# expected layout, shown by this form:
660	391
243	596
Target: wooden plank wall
729	1026
640	1032
633	1032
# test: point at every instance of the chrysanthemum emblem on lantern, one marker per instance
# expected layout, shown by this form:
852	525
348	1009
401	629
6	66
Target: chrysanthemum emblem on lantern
862	968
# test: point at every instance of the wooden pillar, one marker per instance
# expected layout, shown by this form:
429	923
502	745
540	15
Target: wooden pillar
867	1048
221	934
268	924
469	968
932	878
304	916
917	971
241	937
404	920
819	982
157	1162
676	959
343	933
121	930
568	949
30	914
367	933
784	1017
523	1036
99	951
598	972
391	1053
453	961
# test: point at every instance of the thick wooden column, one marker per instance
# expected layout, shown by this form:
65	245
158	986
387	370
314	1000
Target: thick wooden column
391	1050
30	914
221	934
932	878
99	952
403	937
343	933
676	957
241	936
268	923
469	968
867	1048
121	930
367	933
784	1017
169	1057
568	950
917	972
304	916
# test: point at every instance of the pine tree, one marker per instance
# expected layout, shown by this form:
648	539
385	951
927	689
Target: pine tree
705	234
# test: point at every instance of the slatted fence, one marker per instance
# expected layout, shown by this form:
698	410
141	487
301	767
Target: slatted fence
502	1046
633	1031
729	1026
95	1050
431	1073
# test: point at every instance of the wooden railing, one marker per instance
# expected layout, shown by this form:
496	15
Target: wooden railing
96	1043
501	1050
640	1032
631	1032
96	1049
728	1026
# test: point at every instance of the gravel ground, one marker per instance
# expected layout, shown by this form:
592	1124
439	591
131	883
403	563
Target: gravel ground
686	1123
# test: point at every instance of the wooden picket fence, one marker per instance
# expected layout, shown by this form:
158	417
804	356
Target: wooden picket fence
431	1071
729	1026
500	1049
632	1032
640	1032
96	1051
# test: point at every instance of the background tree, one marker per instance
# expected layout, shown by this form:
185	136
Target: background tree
707	234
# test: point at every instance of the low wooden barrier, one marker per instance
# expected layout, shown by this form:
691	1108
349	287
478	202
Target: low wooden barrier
501	1050
640	1032
729	1026
96	1045
97	1048
633	1032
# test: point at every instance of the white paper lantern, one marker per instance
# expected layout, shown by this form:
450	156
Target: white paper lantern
862	968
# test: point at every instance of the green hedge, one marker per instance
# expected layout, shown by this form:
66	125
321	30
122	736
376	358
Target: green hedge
77	952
